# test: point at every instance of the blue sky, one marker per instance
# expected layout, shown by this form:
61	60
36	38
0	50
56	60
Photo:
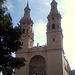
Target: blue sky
39	12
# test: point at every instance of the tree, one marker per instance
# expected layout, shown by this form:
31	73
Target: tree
9	43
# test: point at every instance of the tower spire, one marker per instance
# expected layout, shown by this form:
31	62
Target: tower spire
53	0
27	4
27	10
27	29
54	6
54	30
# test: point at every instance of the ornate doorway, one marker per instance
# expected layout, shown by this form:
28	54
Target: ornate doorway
37	66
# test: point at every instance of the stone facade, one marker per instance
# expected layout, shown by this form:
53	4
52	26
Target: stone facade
46	60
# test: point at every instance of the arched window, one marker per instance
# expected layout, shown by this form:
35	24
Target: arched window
52	18
53	26
53	7
23	30
53	39
23	23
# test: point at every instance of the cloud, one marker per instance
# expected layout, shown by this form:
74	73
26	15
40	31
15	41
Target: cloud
47	3
40	25
40	32
9	5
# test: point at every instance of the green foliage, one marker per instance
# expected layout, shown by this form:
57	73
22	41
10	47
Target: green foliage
1	2
9	43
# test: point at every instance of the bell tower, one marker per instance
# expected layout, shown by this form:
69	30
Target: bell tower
54	30
26	23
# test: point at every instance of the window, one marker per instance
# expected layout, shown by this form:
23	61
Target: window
52	18
53	26
23	23
53	7
23	30
53	39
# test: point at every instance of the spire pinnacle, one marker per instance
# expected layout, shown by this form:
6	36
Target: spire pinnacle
27	10
53	0
27	4
54	5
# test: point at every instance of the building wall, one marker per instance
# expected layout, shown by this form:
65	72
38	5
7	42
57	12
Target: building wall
66	67
53	60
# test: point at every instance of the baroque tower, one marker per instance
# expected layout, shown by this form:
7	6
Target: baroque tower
43	60
54	31
26	23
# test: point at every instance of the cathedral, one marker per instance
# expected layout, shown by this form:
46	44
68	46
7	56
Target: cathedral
46	60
